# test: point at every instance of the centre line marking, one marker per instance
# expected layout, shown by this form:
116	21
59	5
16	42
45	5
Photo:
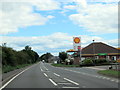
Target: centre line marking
46	75
53	82
65	83
71	81
56	74
41	69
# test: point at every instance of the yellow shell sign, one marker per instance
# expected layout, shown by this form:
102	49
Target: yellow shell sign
77	40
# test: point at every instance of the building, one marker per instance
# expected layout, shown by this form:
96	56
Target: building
54	59
100	50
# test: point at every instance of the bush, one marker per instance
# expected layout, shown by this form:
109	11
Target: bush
87	62
90	62
99	61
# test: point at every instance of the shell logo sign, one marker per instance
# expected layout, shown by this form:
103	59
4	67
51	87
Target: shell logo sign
76	43
77	40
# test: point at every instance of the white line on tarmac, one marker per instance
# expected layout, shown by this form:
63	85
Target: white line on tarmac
104	78
95	68
65	83
45	74
53	82
13	78
56	74
71	81
117	81
41	69
108	78
112	80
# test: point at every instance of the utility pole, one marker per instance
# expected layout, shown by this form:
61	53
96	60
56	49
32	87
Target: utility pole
93	52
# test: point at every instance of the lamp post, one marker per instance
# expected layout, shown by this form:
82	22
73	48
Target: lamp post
93	52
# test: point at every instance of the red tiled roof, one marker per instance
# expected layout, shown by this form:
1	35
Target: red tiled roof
99	47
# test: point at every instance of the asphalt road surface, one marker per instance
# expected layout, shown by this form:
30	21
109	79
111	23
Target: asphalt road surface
43	75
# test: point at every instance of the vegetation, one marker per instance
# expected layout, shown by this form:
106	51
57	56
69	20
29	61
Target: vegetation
46	57
62	56
112	73
12	59
91	62
87	62
63	65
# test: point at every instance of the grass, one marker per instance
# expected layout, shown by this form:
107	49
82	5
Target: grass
63	65
11	68
112	73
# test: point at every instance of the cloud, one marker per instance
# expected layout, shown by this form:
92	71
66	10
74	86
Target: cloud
46	4
97	18
15	15
108	1
53	43
70	7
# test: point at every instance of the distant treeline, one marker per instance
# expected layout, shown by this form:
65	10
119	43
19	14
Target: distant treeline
13	58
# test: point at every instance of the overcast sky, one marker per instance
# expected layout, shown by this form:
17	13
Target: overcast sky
50	25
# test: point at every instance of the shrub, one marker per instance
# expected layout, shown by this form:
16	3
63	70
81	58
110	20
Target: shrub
87	62
100	61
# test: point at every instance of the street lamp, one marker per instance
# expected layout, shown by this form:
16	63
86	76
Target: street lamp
93	52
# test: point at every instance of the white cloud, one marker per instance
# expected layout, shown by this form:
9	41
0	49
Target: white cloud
70	7
108	1
53	43
97	18
15	15
46	4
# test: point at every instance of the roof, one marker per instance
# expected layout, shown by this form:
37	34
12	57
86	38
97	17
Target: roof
99	47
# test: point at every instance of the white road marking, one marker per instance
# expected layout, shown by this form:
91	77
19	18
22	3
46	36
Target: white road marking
45	74
70	87
56	74
13	78
108	78
117	81
99	76
71	81
64	83
53	82
95	68
46	69
41	69
96	76
112	80
104	78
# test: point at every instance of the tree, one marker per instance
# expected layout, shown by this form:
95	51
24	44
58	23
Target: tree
63	56
27	48
46	57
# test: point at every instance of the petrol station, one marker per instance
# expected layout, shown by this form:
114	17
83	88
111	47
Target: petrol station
76	50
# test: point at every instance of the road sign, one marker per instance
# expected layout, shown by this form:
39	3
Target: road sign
76	43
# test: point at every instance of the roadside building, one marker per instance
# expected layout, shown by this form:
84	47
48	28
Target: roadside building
100	50
54	59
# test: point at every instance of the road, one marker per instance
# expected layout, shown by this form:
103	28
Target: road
43	75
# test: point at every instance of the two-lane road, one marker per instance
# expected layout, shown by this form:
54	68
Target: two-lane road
43	75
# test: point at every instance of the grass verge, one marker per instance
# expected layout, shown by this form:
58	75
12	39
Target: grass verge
11	68
111	73
62	65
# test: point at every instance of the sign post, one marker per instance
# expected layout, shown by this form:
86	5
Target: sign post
77	48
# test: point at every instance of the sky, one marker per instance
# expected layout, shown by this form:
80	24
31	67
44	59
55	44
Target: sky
50	25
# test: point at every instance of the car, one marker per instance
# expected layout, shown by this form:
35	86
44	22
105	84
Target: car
43	61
